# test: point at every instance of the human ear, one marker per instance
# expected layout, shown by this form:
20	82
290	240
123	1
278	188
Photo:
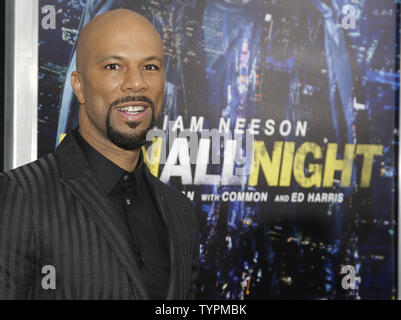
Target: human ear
77	84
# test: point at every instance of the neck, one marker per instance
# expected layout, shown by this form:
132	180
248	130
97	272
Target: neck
125	159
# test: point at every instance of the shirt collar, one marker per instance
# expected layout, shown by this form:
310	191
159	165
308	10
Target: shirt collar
107	173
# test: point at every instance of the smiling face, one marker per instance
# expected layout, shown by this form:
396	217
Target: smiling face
120	78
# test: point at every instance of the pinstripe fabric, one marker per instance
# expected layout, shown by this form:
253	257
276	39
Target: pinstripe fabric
53	212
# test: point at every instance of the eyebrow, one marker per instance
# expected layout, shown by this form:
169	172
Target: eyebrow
115	57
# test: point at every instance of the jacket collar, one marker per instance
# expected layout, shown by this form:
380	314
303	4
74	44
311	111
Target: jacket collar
107	172
77	177
175	255
71	160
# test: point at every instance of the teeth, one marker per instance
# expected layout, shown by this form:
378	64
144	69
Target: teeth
134	109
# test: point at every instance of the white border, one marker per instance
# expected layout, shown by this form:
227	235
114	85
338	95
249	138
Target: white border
21	94
21	82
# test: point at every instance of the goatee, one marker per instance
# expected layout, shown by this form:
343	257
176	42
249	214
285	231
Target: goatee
130	141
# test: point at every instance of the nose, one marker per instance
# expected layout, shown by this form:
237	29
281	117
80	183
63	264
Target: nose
134	82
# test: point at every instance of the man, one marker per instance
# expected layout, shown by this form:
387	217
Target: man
89	221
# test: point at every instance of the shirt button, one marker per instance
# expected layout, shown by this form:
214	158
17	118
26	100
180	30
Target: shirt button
128	201
125	177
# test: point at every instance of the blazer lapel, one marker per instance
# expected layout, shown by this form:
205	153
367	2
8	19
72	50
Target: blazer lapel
175	256
77	178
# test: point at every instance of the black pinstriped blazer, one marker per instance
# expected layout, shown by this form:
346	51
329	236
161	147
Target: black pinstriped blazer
53	212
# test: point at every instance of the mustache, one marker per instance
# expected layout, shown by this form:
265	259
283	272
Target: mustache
133	99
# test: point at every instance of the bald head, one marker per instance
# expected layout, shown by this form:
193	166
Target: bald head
110	25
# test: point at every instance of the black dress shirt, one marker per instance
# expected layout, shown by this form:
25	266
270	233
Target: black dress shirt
130	194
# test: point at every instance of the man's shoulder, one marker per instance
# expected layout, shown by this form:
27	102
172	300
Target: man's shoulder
33	172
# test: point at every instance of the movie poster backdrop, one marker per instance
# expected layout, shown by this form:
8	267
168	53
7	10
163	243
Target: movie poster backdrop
280	124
